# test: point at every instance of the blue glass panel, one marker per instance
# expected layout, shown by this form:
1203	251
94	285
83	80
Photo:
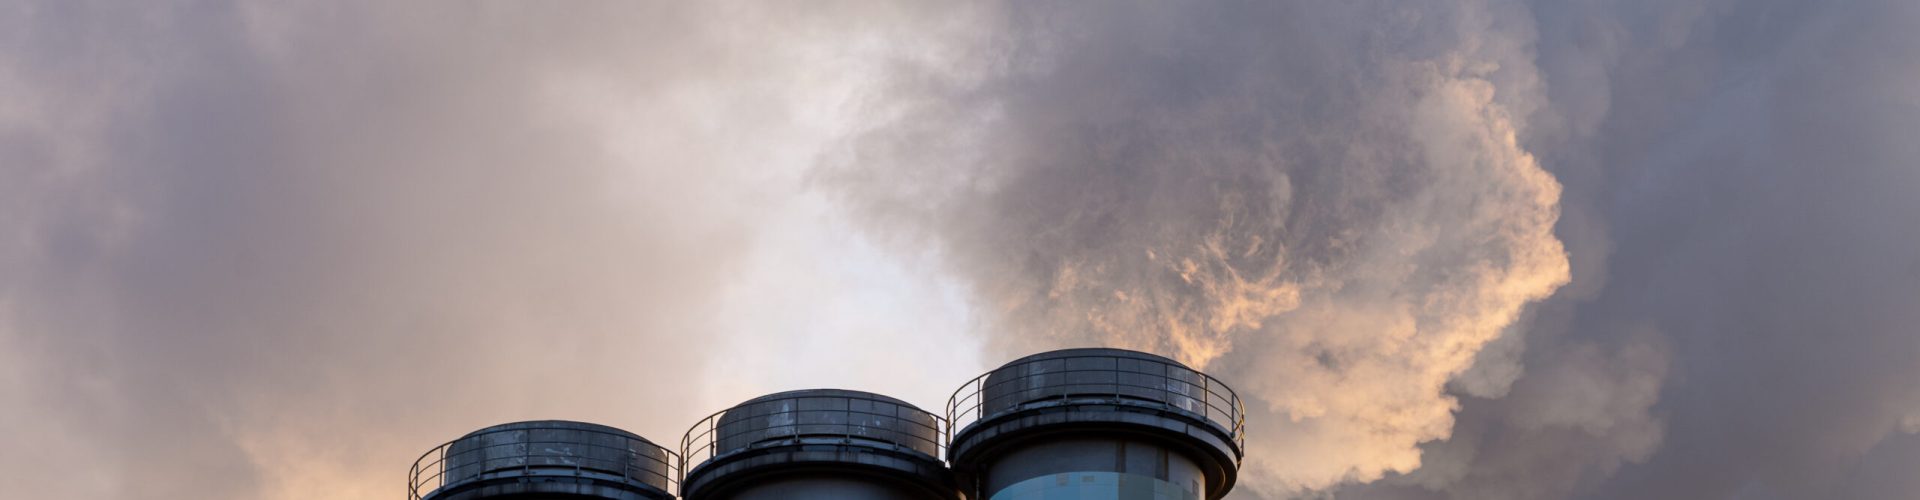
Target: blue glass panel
1094	486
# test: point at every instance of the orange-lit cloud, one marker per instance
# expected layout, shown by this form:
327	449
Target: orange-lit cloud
1453	249
1341	262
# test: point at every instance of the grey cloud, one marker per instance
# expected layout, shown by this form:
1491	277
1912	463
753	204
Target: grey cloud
1743	179
1777	248
1228	184
263	251
1324	203
253	251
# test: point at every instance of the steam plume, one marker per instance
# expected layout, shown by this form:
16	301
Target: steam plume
1339	221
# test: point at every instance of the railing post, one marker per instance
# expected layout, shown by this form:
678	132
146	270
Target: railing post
980	397
1206	396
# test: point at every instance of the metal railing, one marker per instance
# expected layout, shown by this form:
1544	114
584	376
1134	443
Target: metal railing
813	419
1120	379
629	462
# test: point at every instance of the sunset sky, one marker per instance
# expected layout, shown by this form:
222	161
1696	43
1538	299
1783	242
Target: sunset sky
1449	249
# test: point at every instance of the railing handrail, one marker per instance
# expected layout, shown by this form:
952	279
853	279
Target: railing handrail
425	476
969	403
704	444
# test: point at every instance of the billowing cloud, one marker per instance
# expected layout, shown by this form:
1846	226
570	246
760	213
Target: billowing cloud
1735	178
1347	210
1336	217
1455	249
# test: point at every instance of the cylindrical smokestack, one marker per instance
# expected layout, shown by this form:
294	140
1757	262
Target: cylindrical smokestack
1096	423
818	444
545	460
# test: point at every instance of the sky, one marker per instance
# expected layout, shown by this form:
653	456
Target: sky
1458	249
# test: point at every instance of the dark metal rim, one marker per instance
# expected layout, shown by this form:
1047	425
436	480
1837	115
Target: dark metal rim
1217	404
930	475
429	472
700	444
1219	457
